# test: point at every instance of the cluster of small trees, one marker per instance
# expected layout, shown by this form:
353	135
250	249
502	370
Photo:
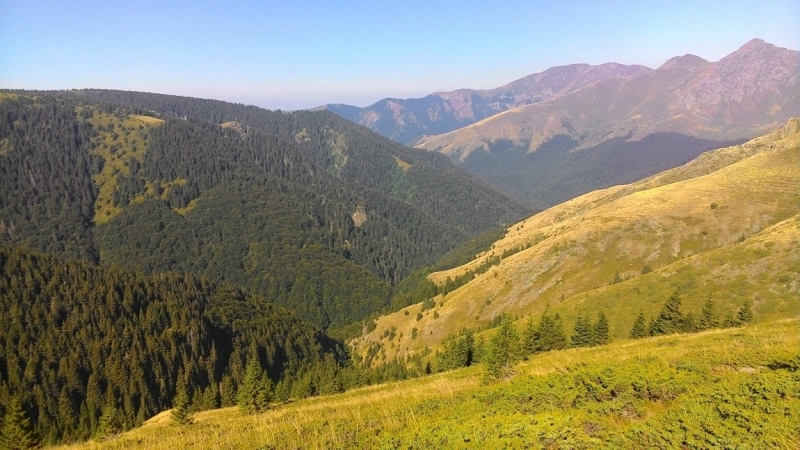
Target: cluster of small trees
507	347
672	320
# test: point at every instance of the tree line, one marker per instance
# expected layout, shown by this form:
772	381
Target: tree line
507	346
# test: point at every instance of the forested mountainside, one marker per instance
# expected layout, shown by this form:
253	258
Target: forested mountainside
307	209
557	172
87	350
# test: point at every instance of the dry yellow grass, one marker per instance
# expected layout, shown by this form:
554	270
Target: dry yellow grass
680	221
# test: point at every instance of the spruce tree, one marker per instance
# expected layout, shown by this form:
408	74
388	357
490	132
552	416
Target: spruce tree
601	329
503	351
583	334
530	338
109	423
689	324
17	433
550	334
557	339
180	406
255	391
639	330
745	313
708	316
670	319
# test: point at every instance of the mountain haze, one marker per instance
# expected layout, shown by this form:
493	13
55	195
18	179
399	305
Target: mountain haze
744	94
408	120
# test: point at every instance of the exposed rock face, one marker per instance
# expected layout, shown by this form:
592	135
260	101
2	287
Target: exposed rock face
758	75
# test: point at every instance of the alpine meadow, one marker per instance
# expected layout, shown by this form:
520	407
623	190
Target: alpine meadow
593	256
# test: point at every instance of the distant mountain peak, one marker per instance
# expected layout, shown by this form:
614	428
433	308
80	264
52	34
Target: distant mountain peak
687	61
756	45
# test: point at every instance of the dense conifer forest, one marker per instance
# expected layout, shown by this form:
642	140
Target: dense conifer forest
315	213
79	341
162	252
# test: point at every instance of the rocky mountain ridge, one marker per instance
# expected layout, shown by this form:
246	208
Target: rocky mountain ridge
747	93
407	120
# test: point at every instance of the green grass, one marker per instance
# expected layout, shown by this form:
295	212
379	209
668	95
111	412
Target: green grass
732	388
118	140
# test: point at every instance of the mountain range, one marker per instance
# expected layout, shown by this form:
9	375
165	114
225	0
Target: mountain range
551	136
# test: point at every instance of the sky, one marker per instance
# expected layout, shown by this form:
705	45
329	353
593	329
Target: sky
298	54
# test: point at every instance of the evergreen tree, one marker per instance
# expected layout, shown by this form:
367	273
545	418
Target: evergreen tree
601	329
651	323
745	313
639	331
17	433
670	319
583	334
550	334
255	391
503	351
708	316
109	424
689	324
458	351
530	338
730	321
209	399
180	409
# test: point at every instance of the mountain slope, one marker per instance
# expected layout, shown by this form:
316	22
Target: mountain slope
407	120
724	225
742	95
236	193
695	390
80	342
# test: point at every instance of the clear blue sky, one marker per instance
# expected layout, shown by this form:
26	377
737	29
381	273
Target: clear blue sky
297	54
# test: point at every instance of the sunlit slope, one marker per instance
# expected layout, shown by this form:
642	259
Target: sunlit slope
707	389
723	225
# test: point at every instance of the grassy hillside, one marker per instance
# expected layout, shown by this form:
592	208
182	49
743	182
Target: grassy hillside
723	388
724	226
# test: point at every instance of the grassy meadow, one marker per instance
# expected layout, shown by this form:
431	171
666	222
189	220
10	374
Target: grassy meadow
730	388
724	226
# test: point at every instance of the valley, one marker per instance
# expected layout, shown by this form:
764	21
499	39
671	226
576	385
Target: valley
606	251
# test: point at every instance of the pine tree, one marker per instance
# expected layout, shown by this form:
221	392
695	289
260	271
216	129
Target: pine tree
180	409
670	319
745	313
17	433
639	331
583	335
503	351
601	329
708	316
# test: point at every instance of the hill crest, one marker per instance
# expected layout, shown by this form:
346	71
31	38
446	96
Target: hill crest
725	224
